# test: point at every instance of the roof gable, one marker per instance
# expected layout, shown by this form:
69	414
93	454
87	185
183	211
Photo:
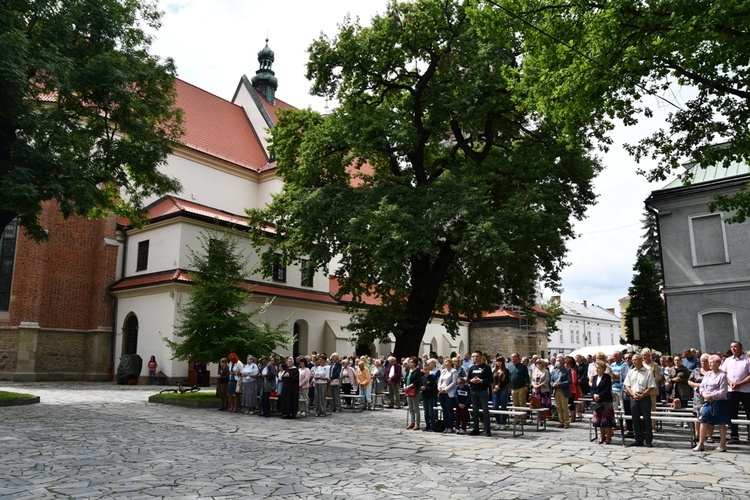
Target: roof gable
219	128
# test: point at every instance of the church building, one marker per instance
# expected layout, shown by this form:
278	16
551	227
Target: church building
70	308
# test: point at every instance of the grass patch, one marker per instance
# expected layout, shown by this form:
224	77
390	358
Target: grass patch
188	396
14	396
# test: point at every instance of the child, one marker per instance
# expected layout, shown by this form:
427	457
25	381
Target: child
463	402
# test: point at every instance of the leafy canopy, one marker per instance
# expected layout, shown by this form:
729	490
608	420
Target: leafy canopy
690	57
215	321
86	113
438	184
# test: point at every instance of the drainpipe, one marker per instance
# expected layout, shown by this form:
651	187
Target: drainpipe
124	243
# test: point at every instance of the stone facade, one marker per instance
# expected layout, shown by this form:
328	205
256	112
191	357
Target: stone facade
508	335
36	354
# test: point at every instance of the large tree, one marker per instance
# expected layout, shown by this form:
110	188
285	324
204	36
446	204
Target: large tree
438	184
647	305
217	319
86	113
691	58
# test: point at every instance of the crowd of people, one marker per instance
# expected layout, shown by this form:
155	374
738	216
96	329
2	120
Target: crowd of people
715	385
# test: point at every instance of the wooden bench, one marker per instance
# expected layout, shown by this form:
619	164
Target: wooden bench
537	414
516	422
353	401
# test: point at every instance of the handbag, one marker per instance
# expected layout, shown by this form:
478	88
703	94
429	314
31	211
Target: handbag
595	406
238	390
410	392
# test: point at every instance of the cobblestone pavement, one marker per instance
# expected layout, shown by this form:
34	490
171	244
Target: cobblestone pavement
93	440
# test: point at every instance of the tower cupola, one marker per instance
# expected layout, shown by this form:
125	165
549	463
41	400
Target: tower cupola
264	80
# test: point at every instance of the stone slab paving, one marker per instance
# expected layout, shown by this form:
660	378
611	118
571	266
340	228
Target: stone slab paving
100	440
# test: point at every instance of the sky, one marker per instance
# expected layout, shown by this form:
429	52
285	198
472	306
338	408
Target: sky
215	42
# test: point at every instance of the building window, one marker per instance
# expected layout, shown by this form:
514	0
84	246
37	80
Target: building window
561	336
308	271
7	258
708	240
142	262
279	270
599	338
571	335
578	337
717	328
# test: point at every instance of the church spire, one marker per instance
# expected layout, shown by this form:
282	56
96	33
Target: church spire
264	80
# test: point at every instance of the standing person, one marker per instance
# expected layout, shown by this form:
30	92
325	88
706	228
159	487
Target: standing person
378	377
696	377
617	379
625	397
640	385
680	386
519	382
429	395
335	382
250	388
305	381
737	368
601	392
560	381
540	386
500	391
222	381
447	393
480	381
152	366
570	363
655	371
582	370
413	382
714	389
268	375
463	403
289	401
348	380
321	377
364	381
393	377
235	371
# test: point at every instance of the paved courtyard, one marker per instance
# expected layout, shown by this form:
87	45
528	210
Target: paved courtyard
93	440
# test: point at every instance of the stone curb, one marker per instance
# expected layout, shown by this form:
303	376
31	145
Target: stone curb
185	403
20	402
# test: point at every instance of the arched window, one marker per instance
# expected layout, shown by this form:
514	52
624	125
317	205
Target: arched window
7	258
130	340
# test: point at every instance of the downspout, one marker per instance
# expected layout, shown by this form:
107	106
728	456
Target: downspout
114	312
655	213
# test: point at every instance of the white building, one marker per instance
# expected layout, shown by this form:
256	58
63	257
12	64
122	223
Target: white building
583	325
224	167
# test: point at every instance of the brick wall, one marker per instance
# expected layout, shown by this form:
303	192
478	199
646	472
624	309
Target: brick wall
505	338
63	283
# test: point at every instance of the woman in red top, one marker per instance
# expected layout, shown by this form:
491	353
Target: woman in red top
152	366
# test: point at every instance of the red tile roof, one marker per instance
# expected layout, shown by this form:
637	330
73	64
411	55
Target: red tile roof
258	288
171	205
272	110
218	128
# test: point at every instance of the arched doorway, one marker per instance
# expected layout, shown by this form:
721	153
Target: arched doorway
130	335
300	339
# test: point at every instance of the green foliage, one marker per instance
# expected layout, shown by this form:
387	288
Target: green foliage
690	57
438	184
214	322
554	309
647	305
13	396
650	247
86	113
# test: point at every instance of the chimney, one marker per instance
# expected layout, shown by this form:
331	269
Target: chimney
585	304
556	298
611	309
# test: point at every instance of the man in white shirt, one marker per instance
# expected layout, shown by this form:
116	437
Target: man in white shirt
639	385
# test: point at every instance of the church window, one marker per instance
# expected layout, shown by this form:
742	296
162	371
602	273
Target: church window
7	258
142	262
